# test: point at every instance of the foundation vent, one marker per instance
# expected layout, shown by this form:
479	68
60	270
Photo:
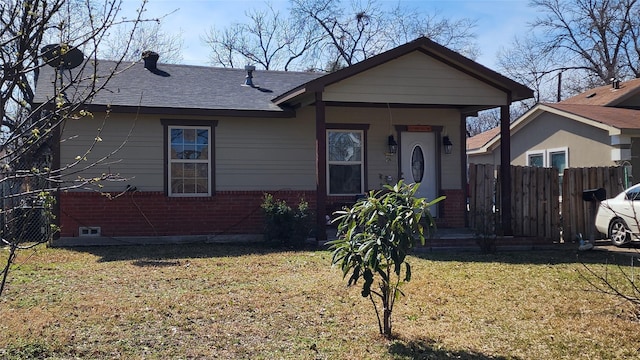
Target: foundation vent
89	231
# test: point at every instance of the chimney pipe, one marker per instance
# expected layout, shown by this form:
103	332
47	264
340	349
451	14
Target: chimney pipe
248	80
150	60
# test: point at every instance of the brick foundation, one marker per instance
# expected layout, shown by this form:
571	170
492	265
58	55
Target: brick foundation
155	214
452	210
228	212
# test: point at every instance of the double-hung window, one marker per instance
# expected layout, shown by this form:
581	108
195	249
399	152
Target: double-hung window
189	159
345	161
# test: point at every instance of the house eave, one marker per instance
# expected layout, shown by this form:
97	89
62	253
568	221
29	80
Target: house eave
284	113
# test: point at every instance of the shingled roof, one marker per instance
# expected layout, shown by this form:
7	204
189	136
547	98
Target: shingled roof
200	90
480	140
615	117
606	95
184	88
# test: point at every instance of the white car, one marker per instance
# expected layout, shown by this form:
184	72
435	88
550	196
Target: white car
619	217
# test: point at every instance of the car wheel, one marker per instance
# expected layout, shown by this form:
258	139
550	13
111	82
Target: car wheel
619	232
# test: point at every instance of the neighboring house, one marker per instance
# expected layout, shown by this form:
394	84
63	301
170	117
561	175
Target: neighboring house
600	127
202	145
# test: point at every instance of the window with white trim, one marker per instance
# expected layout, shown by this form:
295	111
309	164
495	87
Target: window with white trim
557	158
345	162
535	158
189	160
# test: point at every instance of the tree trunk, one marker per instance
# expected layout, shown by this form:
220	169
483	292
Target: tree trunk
387	322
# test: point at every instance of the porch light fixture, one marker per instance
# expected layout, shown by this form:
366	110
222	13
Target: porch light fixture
447	144
393	145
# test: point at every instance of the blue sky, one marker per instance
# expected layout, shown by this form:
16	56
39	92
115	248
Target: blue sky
498	20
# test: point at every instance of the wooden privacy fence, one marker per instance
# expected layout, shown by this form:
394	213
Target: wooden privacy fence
535	206
576	217
538	209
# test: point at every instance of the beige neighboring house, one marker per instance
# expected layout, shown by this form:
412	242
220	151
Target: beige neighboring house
599	127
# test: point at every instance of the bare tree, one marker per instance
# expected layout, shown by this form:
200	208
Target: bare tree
489	119
267	39
349	35
406	24
37	33
584	43
147	36
364	28
330	34
527	62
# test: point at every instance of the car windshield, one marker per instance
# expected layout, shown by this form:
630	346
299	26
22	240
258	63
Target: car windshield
633	194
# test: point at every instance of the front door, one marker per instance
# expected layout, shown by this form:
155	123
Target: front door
418	163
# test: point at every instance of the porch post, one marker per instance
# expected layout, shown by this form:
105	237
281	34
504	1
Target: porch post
505	168
321	169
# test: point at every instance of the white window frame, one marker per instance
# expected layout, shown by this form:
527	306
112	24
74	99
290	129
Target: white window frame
208	161
564	150
361	162
546	155
536	153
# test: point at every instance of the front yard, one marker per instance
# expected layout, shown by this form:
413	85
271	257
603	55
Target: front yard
242	302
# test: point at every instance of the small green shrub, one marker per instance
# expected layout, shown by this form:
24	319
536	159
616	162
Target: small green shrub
285	225
375	237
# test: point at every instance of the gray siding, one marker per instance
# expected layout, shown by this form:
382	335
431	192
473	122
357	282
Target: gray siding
138	162
250	154
588	146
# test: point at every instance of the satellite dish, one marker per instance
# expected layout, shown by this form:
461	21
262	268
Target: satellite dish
72	58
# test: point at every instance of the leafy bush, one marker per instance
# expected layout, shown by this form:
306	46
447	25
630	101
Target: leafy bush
285	225
375	237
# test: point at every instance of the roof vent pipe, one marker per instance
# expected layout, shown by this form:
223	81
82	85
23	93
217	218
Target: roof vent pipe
615	83
150	60
248	80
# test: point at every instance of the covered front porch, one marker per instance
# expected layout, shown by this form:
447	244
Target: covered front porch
418	96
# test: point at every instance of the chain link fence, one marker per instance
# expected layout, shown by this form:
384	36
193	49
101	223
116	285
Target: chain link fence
25	214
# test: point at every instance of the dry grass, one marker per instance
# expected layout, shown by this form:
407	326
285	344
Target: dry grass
235	302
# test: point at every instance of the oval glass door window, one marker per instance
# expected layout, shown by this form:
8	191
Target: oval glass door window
417	164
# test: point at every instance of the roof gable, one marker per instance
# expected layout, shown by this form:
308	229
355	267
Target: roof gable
414	78
426	47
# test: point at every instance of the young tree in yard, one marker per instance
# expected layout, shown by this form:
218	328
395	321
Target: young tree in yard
34	34
375	237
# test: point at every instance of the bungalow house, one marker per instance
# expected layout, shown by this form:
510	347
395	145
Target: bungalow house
599	127
197	147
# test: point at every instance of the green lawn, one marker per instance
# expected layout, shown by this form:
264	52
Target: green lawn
251	302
